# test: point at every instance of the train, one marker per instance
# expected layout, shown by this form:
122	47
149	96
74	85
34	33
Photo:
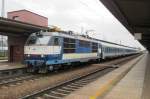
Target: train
49	51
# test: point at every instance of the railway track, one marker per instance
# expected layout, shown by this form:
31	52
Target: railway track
18	79
65	88
8	73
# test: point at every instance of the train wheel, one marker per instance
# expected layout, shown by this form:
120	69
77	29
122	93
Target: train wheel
30	70
99	60
43	70
51	68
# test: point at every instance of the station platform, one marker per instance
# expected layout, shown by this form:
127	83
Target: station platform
130	81
5	65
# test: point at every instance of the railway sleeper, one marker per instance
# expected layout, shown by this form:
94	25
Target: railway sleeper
48	96
62	90
78	85
59	93
68	89
74	87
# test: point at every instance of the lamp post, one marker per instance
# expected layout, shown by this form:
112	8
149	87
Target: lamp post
2	15
3	9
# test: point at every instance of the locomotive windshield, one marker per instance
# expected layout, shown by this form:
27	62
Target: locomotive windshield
38	40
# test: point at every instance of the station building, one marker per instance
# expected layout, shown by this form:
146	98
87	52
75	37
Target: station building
23	23
29	17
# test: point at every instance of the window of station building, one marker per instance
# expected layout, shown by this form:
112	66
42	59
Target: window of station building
84	43
69	45
94	47
15	18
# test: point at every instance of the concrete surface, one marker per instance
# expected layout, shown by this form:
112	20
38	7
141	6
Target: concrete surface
4	65
131	86
146	88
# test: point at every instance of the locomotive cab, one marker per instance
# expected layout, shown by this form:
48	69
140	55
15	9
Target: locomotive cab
40	48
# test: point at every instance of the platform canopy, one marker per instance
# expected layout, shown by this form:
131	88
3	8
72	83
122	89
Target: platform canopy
134	15
11	27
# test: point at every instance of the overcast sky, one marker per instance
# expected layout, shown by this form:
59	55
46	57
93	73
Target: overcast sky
77	15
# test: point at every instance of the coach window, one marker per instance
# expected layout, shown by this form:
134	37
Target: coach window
107	50
56	41
69	45
94	47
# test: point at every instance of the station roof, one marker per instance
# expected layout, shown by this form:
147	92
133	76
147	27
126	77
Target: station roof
134	15
17	28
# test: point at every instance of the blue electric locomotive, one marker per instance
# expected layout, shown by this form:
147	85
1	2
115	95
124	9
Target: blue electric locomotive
48	51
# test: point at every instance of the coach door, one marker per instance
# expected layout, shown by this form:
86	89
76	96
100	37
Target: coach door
56	45
100	50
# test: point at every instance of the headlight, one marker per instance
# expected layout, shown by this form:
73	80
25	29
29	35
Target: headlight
42	55
28	55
